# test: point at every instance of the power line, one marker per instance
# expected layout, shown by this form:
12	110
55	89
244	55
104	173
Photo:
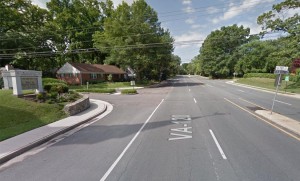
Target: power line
91	41
89	50
101	26
126	35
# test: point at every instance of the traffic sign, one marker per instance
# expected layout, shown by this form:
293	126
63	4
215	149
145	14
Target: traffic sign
281	70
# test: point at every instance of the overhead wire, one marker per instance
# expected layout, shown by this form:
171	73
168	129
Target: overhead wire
187	13
88	50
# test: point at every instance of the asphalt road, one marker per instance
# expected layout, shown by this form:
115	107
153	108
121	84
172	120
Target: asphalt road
190	129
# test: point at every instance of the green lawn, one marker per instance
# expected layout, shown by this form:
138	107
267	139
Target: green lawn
107	85
292	87
103	85
18	115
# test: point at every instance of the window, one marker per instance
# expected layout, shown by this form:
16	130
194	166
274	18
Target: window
100	75
70	75
93	76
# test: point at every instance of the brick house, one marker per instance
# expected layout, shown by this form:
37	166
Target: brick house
80	73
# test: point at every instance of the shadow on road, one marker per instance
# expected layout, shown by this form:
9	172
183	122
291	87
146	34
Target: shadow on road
98	133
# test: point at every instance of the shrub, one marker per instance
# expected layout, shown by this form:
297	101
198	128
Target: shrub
40	96
129	91
56	87
47	87
110	91
52	80
260	75
294	78
53	95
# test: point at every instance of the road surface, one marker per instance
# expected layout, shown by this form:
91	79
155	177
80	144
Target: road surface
190	129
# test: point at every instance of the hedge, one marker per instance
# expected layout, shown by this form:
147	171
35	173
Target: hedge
110	91
56	87
129	91
260	75
52	80
293	78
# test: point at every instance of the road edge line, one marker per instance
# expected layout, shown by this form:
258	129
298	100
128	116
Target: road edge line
266	121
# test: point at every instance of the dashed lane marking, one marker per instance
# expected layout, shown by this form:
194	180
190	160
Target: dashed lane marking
218	145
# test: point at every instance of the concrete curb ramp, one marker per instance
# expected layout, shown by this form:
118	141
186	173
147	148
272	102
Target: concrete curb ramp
284	122
17	145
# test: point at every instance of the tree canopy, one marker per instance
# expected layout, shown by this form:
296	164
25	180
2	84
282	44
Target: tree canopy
89	31
232	49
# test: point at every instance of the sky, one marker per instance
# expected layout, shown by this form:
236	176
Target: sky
190	21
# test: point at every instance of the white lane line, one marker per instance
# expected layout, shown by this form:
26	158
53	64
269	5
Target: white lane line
283	102
195	100
129	144
218	145
241	90
189	90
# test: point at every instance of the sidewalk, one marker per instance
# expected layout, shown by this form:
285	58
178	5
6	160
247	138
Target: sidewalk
17	145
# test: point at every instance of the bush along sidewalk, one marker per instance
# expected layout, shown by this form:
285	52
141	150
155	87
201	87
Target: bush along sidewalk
95	90
128	91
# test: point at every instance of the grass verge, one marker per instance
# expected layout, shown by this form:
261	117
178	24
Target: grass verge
18	115
292	87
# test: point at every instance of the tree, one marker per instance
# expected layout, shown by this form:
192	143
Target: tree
132	37
278	19
21	33
217	50
253	56
73	23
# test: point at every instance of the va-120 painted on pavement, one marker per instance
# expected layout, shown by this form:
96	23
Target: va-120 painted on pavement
183	132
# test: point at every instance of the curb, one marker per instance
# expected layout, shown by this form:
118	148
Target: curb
283	127
288	94
41	141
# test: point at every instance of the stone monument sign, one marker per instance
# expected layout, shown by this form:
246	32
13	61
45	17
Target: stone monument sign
22	80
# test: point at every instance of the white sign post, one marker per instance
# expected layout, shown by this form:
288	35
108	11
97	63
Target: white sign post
279	70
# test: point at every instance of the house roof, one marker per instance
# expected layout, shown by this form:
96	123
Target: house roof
109	69
83	67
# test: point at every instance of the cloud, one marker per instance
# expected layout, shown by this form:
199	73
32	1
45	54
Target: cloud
189	9
190	21
117	2
189	39
236	9
186	1
40	3
212	10
195	26
254	28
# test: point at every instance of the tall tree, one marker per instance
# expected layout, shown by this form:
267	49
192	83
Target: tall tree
217	50
73	23
22	34
133	37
